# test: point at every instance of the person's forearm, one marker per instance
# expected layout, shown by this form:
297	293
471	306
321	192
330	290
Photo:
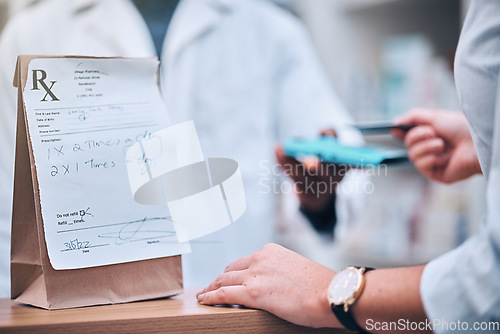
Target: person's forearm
390	295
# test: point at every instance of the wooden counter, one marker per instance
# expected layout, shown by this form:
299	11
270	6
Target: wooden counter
180	314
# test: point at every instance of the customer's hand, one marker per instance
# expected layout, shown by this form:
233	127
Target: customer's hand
315	182
440	145
279	281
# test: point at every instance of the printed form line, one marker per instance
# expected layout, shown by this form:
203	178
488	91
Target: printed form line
134	221
87	131
107	126
91	246
94	106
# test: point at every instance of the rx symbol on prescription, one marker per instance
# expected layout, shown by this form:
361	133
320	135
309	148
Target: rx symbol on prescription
39	77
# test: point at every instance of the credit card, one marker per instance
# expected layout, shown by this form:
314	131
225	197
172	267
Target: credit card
380	127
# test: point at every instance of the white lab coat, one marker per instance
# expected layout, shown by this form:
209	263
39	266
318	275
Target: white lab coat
461	289
243	70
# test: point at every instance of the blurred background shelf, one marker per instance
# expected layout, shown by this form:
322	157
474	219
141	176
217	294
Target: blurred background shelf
392	5
438	20
367	4
350	36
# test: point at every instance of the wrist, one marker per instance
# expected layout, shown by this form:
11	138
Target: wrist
317	204
322	308
472	165
390	295
344	290
475	166
355	309
322	219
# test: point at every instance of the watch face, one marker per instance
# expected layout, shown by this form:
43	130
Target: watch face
343	286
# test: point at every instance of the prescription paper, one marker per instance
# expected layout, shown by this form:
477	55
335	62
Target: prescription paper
83	115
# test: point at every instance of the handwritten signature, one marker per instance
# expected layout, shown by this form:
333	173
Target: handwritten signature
132	231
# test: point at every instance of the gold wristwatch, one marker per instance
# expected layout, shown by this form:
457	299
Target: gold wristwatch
343	291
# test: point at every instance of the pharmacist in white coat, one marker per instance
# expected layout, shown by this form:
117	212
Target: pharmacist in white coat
244	71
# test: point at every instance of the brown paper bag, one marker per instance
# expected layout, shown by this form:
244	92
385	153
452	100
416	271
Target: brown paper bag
34	281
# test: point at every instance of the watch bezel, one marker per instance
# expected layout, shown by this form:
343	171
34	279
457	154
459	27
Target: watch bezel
359	288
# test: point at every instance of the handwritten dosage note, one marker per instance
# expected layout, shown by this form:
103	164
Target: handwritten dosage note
169	168
83	115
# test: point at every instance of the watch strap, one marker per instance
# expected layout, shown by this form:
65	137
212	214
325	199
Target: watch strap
346	318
